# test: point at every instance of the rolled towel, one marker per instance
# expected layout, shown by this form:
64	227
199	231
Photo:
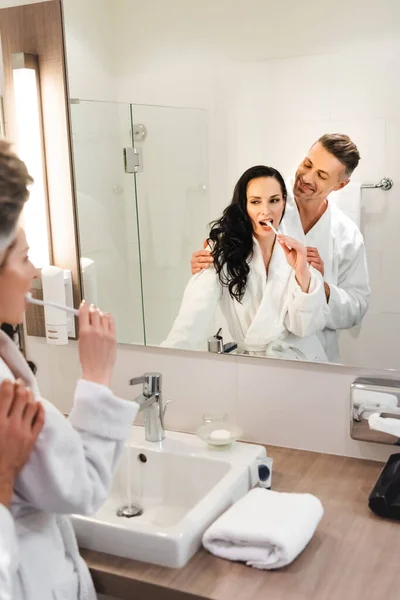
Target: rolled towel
265	529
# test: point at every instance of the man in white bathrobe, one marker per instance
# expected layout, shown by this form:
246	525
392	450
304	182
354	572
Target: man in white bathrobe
335	245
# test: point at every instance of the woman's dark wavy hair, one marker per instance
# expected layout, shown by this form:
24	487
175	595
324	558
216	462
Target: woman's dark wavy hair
232	234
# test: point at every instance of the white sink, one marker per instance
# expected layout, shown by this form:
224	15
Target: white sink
182	488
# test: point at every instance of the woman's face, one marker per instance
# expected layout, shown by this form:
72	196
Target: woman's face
15	281
265	202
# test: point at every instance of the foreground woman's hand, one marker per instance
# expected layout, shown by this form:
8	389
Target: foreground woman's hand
97	344
21	421
296	255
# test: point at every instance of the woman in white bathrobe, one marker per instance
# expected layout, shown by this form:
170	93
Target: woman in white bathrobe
71	465
273	302
21	421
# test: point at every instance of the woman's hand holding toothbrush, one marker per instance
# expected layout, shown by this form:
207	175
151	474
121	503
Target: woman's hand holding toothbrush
97	344
296	255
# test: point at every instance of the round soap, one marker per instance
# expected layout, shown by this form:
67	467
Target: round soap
220	435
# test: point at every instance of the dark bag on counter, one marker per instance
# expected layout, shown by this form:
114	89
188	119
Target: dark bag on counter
384	499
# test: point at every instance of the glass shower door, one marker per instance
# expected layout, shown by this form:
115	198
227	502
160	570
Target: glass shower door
107	214
173	206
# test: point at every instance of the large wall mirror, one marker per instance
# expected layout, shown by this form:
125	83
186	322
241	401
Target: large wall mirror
171	104
203	91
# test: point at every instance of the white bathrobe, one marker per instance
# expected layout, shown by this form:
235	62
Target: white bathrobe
275	318
341	247
69	471
8	553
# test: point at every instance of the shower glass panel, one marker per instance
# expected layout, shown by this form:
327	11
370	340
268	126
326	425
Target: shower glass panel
173	206
107	214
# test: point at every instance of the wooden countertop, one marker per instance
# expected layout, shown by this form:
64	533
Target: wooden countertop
353	555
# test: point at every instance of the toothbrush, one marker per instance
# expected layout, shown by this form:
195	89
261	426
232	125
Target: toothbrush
67	309
269	223
276	232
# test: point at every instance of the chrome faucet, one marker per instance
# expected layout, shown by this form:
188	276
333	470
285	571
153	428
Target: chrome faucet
151	403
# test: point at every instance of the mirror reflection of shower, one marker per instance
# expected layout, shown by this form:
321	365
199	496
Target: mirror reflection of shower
143	205
173	205
107	214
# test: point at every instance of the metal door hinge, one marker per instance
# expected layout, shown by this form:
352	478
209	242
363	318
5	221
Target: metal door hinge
132	160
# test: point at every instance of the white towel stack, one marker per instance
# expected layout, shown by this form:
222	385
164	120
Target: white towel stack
265	529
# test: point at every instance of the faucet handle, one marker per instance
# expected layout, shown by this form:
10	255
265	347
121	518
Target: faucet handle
151	383
136	380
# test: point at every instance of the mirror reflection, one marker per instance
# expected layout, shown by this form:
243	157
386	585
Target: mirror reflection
138	222
205	141
283	295
273	304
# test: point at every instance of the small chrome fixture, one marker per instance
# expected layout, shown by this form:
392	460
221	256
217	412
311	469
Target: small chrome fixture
385	184
216	344
129	511
139	132
132	160
151	403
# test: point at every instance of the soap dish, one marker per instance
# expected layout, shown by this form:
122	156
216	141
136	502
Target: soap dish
219	434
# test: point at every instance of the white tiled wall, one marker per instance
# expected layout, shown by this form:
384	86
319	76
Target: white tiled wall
274	402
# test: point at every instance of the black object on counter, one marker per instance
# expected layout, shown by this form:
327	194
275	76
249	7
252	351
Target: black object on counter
384	499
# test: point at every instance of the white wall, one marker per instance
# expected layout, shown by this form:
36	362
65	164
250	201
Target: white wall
273	401
91	49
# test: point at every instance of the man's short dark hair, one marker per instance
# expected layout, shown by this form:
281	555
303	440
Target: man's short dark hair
343	148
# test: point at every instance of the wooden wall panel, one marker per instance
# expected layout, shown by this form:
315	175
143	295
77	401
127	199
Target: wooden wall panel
38	29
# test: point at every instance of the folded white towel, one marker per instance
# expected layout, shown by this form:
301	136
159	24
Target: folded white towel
265	529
